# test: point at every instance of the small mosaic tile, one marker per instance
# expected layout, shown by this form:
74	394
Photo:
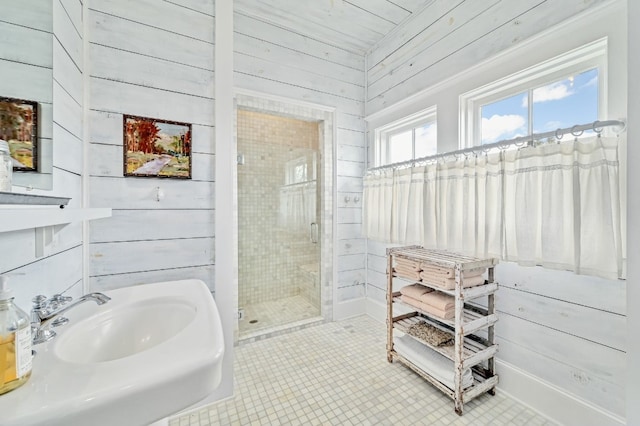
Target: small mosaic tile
337	373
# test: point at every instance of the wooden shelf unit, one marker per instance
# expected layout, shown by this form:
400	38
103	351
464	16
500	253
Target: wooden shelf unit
469	350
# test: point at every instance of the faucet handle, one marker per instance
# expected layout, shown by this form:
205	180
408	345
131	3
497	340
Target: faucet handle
60	299
39	302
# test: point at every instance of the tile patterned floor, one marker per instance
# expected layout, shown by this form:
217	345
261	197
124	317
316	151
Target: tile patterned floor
337	374
275	314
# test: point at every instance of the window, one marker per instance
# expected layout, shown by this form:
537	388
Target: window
559	93
407	139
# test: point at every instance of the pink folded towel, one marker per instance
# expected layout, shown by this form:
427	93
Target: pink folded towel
438	300
450	272
430	268
445	283
407	264
415	290
407	273
431	310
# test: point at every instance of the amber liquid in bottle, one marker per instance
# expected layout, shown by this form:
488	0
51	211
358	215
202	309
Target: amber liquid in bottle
9	379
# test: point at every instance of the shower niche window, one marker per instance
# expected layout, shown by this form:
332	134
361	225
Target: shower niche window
278	210
297	206
301	170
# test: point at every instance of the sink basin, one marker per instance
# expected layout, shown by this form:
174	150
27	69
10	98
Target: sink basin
149	352
109	335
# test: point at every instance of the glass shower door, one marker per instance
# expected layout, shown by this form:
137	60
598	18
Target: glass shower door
278	226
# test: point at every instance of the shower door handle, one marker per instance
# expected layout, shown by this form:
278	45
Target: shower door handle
313	233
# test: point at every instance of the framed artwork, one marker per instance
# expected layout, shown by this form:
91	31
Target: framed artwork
19	127
156	148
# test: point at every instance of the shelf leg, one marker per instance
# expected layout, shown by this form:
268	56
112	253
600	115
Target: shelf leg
459	342
491	309
389	306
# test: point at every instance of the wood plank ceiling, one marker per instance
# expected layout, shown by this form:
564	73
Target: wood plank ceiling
353	25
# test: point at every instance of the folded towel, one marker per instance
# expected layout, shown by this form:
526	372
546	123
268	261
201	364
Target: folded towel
439	300
407	273
411	301
438	366
415	290
449	283
430	334
408	264
450	272
431	310
432	269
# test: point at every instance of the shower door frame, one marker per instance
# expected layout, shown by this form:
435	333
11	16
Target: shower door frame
326	116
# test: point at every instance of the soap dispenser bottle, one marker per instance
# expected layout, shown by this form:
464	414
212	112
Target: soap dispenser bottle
15	342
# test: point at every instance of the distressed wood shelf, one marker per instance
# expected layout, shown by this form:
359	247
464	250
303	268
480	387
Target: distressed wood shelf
469	351
475	349
473	318
482	382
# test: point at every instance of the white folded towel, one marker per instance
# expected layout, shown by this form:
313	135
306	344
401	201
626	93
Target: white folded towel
436	365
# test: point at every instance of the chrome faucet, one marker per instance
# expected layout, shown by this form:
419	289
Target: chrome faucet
47	312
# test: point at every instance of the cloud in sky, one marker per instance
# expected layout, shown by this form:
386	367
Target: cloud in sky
551	92
501	127
592	82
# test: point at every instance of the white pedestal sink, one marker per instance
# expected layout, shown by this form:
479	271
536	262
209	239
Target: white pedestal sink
149	352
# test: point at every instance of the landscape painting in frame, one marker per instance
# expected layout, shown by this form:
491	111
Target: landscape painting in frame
156	148
19	127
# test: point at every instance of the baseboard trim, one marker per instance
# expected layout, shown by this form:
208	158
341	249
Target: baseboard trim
377	310
545	398
550	400
349	309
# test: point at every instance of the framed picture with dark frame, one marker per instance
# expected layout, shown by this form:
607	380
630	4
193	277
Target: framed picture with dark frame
19	127
156	148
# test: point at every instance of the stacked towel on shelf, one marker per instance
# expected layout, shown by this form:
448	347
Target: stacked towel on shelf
436	365
432	310
415	290
445	278
406	268
439	300
407	273
408	264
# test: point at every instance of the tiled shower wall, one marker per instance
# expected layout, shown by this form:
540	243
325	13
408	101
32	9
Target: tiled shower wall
275	261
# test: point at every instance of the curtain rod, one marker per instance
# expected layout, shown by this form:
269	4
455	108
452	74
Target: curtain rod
576	131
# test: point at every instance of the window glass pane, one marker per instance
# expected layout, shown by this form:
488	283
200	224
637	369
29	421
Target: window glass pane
426	140
566	103
505	119
400	147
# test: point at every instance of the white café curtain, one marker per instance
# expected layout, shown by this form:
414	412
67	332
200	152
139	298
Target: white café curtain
560	206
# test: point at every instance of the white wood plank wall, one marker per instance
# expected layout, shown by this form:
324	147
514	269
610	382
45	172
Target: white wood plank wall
274	60
565	329
153	59
40	59
450	36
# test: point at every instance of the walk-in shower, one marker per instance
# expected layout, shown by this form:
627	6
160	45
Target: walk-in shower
279	213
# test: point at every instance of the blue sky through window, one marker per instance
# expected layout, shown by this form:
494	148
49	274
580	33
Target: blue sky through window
564	103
